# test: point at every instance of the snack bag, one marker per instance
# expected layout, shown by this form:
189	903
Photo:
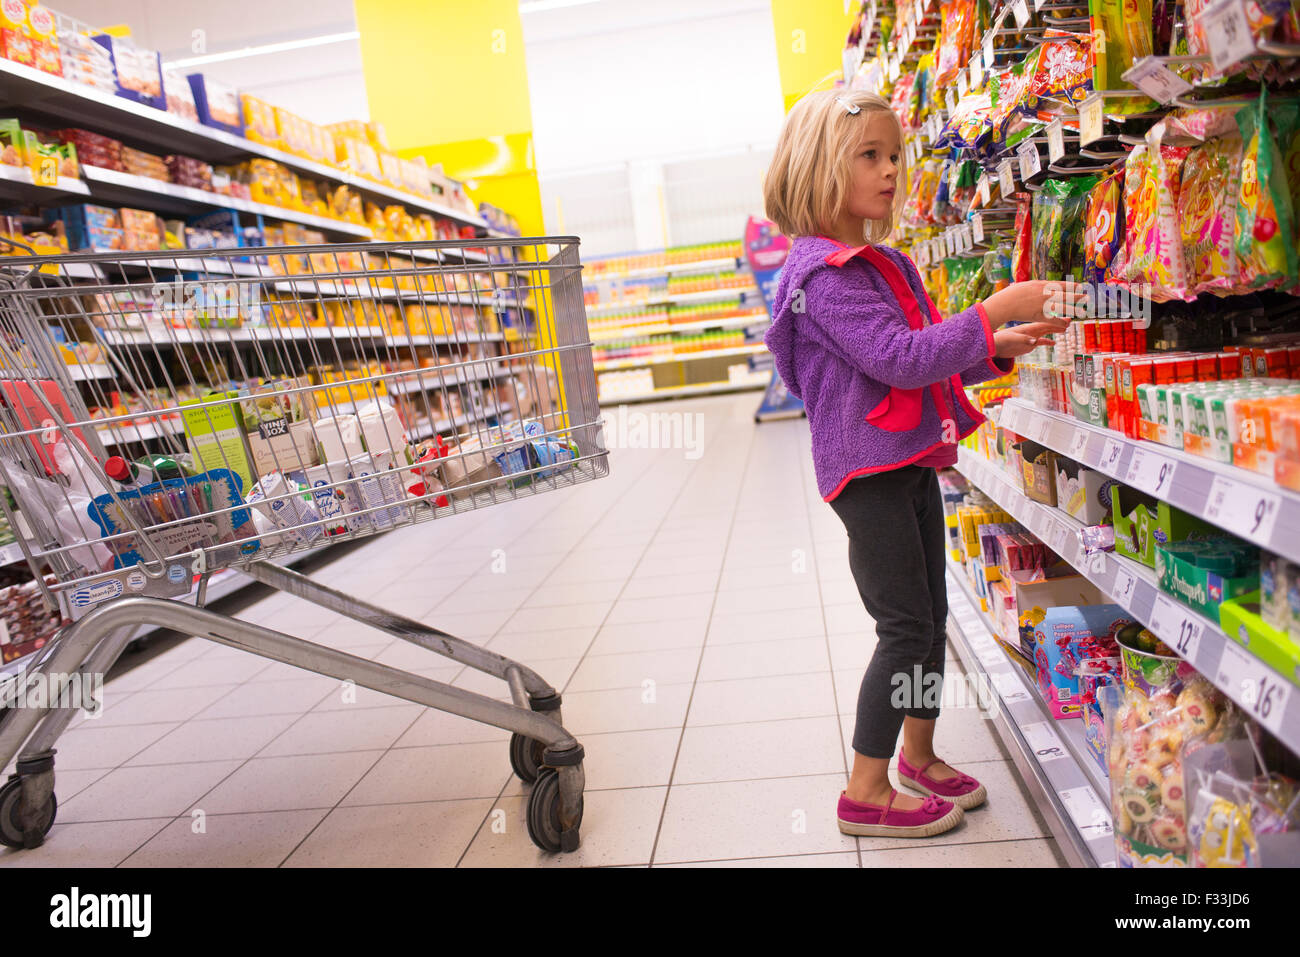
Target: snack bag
956	39
1265	238
1207	215
1121	35
1103	226
1153	241
1022	266
1063	67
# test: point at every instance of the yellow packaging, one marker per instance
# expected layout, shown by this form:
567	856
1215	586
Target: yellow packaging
259	120
390	169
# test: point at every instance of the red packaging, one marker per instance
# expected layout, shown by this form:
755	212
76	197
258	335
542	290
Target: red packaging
1105	337
1185	367
1275	363
1108	367
1229	365
1207	367
1165	370
1293	360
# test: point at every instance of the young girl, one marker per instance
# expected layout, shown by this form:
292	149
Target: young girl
881	375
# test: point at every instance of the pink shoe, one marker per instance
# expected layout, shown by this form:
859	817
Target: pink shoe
871	820
962	790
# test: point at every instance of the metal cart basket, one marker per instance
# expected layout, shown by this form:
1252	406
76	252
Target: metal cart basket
169	415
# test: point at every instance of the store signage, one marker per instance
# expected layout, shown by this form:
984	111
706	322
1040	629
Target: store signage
1110	456
1151	472
1125	585
1078	444
1156	80
988	51
1176	627
1043	741
984	189
1090	120
1055	141
961	84
1254	685
1006	179
1242	509
977	224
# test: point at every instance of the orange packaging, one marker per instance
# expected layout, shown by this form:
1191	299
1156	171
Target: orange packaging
45	41
15	34
1229	365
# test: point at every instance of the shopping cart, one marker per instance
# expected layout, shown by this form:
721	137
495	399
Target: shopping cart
170	415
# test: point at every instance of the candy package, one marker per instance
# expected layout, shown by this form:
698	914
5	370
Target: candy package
1207	215
1103	226
1124	31
955	40
1288	126
1022	263
1265	237
1061	68
1152	240
1058	227
900	101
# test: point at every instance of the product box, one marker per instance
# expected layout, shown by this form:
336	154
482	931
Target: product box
1038	472
1241	620
217	104
216	436
1204	574
1143	522
1082	492
96	228
1058	650
138	73
1032	601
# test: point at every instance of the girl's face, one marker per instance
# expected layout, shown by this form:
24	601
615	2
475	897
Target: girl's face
874	169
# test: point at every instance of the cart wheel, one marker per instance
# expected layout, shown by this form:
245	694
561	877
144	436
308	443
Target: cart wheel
11	832
525	757
544	811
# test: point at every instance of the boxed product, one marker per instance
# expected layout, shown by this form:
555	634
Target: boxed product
1038	472
1241	619
1097	676
287	508
1143	522
1279	593
89	227
137	73
1064	638
1033	599
1082	492
279	428
259	120
216	436
217	104
180	98
1203	574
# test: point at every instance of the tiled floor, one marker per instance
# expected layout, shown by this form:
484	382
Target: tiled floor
696	610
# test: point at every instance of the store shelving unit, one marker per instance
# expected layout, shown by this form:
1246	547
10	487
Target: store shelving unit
607	364
1265	695
1067	784
681	391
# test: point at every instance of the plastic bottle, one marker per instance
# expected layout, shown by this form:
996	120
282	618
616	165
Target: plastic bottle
128	475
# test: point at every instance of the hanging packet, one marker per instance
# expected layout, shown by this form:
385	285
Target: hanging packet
1207	215
1265	237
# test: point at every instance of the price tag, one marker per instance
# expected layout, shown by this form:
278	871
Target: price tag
989	654
1021	12
1151	472
919	12
1087	811
1097	562
1061	538
1125	586
984	189
1030	165
977	226
1254	685
922	255
961	84
1156	80
1090	120
1006	179
1176	627
988	51
1228	32
1009	687
976	70
894	70
937	247
1055	141
1038	5
1078	445
952	101
1043	741
1242	509
1110	456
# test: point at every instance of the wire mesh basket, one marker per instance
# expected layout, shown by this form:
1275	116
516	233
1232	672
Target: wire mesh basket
169	414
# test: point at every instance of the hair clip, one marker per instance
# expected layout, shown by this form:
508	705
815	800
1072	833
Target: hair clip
852	108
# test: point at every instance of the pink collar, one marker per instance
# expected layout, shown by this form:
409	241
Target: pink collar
845	253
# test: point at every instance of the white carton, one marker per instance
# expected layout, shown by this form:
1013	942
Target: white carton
339	437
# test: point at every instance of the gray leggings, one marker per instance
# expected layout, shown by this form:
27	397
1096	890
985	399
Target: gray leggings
896	552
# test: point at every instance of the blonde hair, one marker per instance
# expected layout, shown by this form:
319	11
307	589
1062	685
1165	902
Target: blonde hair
809	175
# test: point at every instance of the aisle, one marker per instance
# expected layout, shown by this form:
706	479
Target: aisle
697	611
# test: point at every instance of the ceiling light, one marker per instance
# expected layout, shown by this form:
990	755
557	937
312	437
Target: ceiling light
264	49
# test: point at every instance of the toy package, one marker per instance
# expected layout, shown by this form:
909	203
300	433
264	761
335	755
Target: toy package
1065	637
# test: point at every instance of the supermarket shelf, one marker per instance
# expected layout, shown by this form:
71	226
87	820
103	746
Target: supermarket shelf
272	334
608	364
466	339
122	434
1133	586
678	391
117	188
33	91
735	322
431	378
1244	503
1051	755
428	430
703	265
18	185
706	295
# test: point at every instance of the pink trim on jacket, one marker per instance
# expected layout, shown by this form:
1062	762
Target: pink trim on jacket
872	469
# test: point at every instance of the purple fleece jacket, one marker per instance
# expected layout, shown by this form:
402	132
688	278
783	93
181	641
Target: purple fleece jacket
880	373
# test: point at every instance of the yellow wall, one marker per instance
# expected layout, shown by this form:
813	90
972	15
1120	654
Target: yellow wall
449	82
809	38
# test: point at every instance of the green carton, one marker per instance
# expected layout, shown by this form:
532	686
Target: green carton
216	436
1143	522
1205	574
1241	621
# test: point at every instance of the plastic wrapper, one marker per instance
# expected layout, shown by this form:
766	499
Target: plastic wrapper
1022	264
1058	225
955	40
1103	226
1153	243
1207	215
1061	67
900	100
1265	236
920	201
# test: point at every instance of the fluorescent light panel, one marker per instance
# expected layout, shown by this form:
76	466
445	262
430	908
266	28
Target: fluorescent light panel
264	49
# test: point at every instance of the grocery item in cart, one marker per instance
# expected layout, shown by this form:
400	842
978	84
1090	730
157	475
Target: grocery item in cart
287	508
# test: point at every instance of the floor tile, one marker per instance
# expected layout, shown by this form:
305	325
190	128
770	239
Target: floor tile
631	670
626	709
161	704
94	744
833	859
84	845
663	635
431	834
1025	853
218	739
756	659
140	792
770	749
271	697
759	626
227	840
442	773
361	729
762	699
289	783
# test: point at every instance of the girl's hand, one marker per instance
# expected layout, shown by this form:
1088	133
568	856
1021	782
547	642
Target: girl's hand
1036	301
1013	343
